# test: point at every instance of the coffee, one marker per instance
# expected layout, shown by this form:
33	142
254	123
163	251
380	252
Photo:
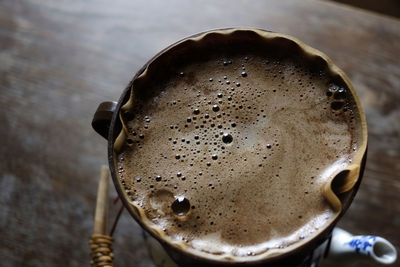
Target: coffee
227	150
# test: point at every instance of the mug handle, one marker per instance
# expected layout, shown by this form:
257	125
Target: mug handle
102	118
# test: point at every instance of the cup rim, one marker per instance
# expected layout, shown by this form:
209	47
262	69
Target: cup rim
268	256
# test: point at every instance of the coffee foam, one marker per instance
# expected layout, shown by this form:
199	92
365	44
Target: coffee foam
229	155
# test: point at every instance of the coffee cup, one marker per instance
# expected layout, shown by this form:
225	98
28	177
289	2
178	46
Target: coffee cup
237	147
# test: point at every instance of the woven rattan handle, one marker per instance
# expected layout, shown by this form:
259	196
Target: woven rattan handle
100	242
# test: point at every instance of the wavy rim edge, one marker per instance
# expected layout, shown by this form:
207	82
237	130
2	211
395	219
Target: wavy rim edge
332	198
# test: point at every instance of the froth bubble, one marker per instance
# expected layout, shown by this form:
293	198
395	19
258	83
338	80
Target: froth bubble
227	138
215	108
244	74
180	206
337	105
340	93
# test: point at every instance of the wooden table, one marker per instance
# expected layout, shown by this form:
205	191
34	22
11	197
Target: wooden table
60	59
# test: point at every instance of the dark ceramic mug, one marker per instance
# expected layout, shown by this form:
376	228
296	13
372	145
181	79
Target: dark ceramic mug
108	122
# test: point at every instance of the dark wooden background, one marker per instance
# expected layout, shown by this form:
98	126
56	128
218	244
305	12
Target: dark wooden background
60	59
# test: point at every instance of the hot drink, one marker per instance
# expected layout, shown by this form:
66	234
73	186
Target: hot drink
229	150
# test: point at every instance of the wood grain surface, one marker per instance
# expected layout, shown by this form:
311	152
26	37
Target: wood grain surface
60	59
